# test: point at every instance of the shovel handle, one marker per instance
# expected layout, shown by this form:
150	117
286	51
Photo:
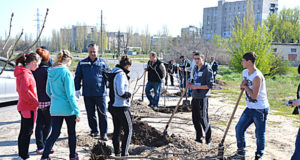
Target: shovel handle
144	85
232	116
175	110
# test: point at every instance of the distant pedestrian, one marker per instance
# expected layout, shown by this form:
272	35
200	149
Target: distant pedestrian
28	100
64	105
184	70
43	122
156	76
201	84
171	69
119	105
90	75
215	67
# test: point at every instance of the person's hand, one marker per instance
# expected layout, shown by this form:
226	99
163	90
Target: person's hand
179	68
77	93
295	103
163	81
192	87
77	119
244	84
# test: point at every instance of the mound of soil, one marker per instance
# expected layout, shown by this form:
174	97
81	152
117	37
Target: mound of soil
220	82
100	151
170	109
143	134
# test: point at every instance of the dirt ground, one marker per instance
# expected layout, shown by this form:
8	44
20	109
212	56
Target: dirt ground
149	126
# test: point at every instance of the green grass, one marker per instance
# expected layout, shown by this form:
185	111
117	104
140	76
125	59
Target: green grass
280	88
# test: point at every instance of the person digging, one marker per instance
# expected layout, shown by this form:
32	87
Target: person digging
200	86
257	107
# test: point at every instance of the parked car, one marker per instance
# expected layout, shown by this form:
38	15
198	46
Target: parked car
8	91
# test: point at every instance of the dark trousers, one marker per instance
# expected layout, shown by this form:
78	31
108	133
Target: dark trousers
93	103
25	134
200	118
296	154
43	127
121	119
57	122
171	78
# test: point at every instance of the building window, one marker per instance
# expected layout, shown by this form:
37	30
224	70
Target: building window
274	49
293	50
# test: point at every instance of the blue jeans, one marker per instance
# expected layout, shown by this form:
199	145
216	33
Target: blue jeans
259	118
93	103
156	86
296	154
57	122
43	127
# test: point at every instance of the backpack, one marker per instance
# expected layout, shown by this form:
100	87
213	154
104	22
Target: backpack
111	77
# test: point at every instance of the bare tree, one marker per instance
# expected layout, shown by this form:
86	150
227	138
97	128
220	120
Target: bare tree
10	51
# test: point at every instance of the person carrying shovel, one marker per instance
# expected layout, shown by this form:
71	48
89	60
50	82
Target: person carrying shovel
257	107
200	86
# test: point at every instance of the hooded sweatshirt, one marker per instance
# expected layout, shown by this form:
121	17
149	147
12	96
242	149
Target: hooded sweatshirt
26	89
121	85
61	90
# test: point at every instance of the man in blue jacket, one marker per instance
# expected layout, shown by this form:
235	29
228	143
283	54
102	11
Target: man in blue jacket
90	75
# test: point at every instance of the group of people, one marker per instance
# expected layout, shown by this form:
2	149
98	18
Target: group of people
48	95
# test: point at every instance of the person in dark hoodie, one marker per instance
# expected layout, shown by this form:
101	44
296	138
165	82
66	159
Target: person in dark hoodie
202	83
61	90
28	101
119	105
43	122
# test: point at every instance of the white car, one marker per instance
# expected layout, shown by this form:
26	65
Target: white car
8	91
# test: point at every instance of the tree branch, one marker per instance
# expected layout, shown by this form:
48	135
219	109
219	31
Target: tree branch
6	41
40	32
12	52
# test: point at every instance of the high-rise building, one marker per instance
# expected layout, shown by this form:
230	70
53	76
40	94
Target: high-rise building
190	31
219	20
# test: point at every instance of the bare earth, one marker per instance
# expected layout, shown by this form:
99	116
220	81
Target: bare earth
280	135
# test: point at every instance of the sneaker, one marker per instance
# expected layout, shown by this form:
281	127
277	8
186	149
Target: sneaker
208	142
258	157
39	151
45	158
104	138
52	151
93	134
199	140
76	157
20	158
237	157
117	155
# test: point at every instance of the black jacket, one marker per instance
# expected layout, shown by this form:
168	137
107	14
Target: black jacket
154	72
40	76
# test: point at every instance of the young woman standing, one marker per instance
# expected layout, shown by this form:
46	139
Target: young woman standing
28	102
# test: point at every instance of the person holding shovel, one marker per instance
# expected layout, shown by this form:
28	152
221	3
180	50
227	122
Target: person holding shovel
257	107
156	76
200	86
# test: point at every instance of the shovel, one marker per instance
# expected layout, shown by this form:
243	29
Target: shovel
144	85
186	101
174	111
221	144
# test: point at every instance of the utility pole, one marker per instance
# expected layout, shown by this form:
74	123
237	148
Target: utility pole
119	43
101	32
37	26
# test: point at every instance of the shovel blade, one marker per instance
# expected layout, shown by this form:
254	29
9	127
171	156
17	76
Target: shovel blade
186	102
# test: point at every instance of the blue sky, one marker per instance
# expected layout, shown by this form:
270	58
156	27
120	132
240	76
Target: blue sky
118	14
